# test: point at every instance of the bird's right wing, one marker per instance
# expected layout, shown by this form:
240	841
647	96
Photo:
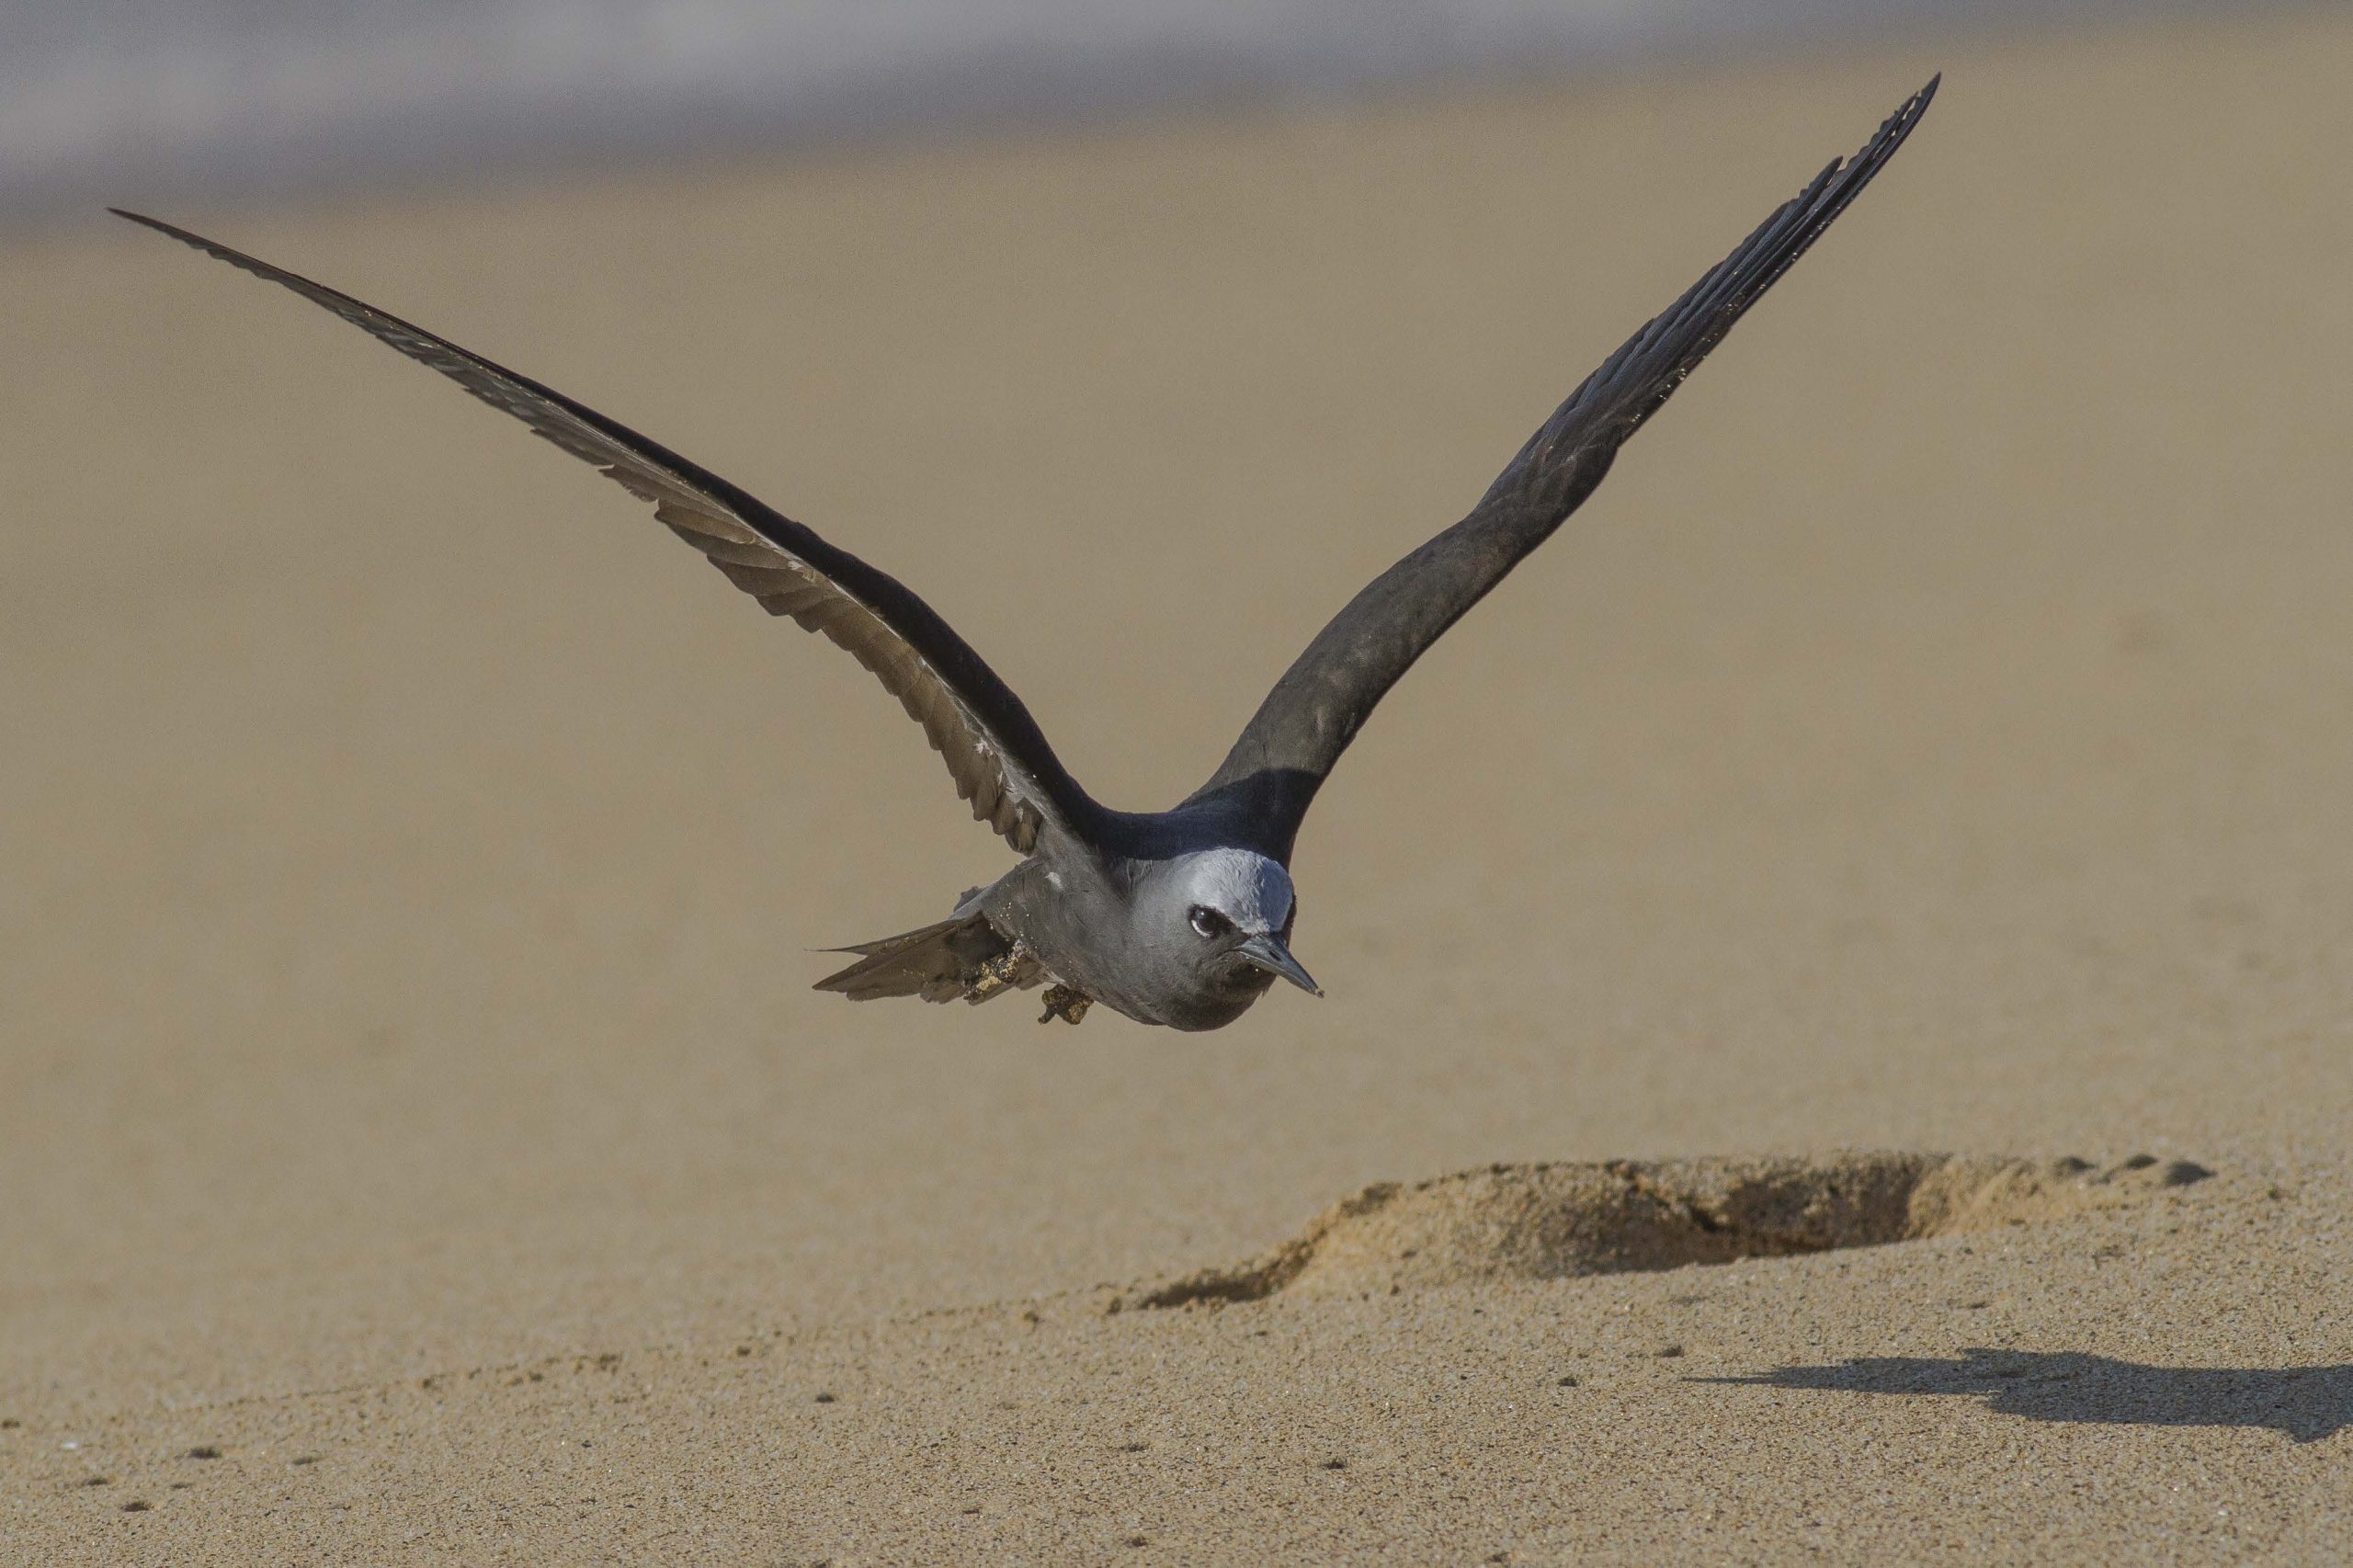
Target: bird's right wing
995	751
1266	781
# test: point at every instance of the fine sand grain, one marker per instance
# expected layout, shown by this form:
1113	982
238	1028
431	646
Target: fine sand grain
420	1143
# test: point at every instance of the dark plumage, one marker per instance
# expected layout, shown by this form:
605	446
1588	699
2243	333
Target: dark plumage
1179	917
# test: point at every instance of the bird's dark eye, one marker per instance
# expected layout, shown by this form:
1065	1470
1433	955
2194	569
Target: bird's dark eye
1209	923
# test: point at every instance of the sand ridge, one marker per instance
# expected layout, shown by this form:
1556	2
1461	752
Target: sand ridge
1561	1221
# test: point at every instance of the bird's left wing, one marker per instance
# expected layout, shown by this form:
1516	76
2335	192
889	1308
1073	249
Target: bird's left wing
994	749
1264	785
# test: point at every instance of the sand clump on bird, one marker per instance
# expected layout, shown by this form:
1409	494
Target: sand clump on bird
1182	917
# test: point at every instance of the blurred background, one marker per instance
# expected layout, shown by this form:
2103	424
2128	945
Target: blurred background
1934	736
284	96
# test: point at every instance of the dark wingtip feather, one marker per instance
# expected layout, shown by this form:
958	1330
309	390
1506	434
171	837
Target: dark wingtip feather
157	224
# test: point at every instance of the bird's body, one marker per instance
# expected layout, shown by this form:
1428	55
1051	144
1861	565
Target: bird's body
1181	918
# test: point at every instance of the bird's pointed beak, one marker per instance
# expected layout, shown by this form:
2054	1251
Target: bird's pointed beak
1269	954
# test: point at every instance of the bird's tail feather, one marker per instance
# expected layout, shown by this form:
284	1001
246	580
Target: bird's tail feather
938	963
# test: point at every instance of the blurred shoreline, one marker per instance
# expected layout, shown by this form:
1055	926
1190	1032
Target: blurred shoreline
272	99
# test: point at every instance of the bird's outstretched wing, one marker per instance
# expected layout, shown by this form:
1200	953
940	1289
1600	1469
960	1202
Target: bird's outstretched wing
995	751
1264	785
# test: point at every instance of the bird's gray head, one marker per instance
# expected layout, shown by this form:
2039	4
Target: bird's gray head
1221	920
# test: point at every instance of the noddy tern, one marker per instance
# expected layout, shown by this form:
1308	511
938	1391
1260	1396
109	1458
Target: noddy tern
1181	918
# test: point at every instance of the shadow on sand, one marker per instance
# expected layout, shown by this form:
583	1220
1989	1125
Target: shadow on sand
2308	1404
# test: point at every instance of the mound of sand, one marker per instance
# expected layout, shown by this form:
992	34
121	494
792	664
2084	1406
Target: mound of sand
1560	1221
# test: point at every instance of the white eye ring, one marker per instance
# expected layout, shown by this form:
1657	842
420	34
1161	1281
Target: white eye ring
1208	924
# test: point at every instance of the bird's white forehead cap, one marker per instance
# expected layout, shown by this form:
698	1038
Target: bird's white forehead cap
1249	889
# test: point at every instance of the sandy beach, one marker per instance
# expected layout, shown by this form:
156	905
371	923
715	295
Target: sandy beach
1893	994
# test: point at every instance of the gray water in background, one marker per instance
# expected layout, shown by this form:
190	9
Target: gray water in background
136	101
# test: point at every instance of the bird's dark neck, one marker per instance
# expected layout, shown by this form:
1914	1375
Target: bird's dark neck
1253	814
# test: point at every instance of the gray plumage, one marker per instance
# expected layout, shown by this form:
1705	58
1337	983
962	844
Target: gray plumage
1181	918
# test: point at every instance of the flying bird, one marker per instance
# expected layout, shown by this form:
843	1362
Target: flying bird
1181	918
